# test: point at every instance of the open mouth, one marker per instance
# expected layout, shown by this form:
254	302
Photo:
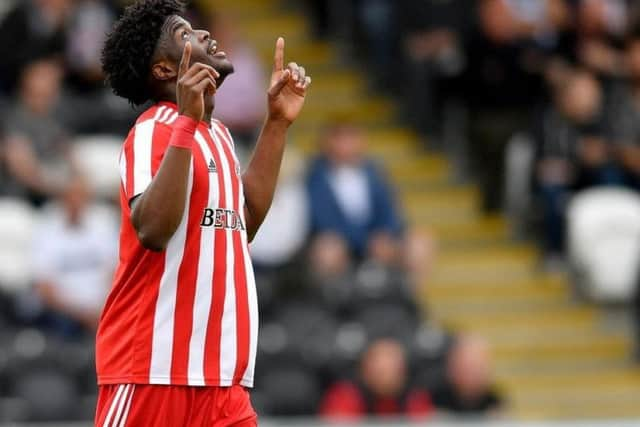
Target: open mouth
213	47
213	50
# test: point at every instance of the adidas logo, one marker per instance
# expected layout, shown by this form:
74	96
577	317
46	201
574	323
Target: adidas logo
212	166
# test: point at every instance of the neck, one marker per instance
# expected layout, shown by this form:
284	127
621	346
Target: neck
208	110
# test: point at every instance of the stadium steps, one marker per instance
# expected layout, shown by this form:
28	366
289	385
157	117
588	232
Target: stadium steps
553	356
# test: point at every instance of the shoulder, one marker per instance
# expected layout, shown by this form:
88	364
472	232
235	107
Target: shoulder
220	127
160	114
155	123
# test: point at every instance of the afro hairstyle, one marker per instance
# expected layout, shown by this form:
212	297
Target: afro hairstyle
129	47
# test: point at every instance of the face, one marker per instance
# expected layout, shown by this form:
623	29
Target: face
384	368
345	146
592	16
177	31
581	98
76	197
469	368
40	85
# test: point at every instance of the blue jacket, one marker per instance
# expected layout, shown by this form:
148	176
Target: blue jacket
327	215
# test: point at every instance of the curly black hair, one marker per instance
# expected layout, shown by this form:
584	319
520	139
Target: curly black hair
129	47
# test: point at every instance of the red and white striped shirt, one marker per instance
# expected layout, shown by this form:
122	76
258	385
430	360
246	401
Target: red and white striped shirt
187	315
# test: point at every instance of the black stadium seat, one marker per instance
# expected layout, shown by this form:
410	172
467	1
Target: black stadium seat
311	330
287	390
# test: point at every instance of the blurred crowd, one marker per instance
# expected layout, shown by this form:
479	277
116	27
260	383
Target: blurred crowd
564	72
338	269
536	101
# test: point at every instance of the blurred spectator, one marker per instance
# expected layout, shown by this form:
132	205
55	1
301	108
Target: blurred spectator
624	115
378	19
507	57
349	197
382	387
88	25
36	149
469	389
32	29
74	255
241	101
89	107
434	35
286	227
573	152
601	26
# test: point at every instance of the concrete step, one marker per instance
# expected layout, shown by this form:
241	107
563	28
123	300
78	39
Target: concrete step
484	228
484	264
575	396
492	297
615	407
534	282
590	347
402	150
371	111
413	173
446	204
577	366
537	381
487	323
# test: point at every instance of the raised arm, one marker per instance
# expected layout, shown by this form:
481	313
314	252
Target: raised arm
157	212
285	97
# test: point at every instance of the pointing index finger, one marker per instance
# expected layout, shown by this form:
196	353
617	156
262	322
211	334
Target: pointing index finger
278	58
186	58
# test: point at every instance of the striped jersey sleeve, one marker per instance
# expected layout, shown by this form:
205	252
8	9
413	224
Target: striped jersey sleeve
144	149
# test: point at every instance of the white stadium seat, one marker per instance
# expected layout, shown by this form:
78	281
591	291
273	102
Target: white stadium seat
17	222
603	226
98	158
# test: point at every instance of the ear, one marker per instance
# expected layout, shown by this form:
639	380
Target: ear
164	70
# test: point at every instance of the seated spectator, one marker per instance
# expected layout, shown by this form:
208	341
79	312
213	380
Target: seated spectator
434	33
351	198
241	101
89	107
87	27
36	151
468	389
601	26
74	257
32	29
507	56
624	115
382	387
573	152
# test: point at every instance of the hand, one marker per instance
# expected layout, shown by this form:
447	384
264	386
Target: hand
193	82
288	88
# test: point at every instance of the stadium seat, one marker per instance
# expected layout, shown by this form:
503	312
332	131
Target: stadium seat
311	330
45	375
604	242
50	394
428	353
288	390
376	283
388	320
16	228
98	158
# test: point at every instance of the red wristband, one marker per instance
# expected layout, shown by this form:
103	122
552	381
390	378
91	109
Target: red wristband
183	130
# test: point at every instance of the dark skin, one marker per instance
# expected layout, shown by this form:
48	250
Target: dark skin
187	68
